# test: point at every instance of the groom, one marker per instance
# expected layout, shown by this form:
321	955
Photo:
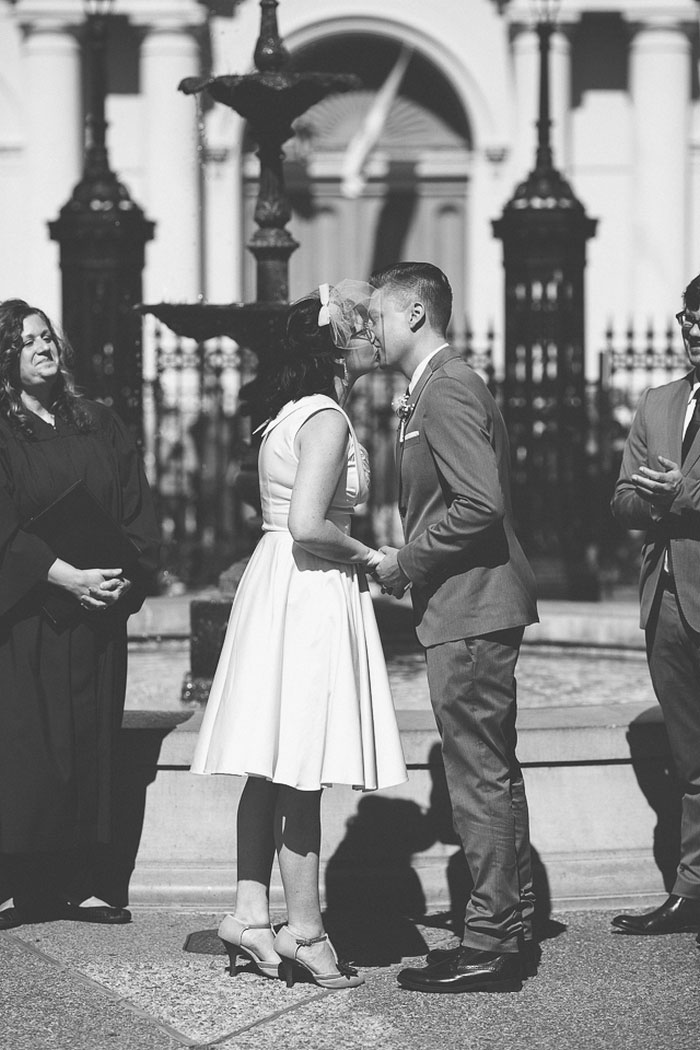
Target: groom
473	594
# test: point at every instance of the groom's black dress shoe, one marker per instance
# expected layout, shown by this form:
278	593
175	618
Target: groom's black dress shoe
54	909
530	955
51	911
676	915
102	913
466	970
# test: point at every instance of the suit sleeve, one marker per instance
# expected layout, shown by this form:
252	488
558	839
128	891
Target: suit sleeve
633	510
630	508
457	429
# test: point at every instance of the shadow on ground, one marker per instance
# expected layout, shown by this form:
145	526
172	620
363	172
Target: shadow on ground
659	783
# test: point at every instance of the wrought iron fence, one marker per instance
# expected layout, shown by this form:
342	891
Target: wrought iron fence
197	443
630	361
201	459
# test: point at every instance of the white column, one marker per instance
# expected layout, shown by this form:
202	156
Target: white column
526	88
172	179
52	97
223	220
660	88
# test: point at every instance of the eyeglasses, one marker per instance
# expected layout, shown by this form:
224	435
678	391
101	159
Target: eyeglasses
687	323
365	330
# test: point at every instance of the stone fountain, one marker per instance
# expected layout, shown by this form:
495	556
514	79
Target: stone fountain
270	100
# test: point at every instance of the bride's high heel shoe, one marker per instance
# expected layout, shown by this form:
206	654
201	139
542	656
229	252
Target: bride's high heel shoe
288	945
231	933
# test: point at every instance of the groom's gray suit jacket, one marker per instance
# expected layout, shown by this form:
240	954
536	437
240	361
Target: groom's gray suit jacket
469	574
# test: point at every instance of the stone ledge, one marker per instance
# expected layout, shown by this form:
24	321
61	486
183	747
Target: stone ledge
546	736
588	881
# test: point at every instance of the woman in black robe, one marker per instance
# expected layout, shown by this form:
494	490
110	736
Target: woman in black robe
62	681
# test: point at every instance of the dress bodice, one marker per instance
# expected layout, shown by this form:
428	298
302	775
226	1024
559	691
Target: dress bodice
278	463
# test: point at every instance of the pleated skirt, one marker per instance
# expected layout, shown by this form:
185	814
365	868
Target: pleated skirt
301	694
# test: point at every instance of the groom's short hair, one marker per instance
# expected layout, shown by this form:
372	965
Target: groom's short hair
427	282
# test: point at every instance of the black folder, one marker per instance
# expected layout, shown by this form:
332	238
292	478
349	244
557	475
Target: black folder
79	530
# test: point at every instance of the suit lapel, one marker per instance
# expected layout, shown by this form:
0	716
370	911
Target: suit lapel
675	420
434	363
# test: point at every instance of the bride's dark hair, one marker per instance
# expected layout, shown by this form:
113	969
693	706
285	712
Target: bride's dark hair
308	361
68	403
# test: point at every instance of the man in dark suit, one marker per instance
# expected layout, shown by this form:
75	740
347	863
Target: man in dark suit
659	490
473	592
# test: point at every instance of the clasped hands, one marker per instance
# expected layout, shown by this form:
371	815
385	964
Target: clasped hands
389	574
659	487
101	588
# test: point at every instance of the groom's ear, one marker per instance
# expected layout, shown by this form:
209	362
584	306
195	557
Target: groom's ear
416	317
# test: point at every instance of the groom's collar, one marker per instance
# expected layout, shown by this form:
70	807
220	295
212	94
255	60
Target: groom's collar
422	367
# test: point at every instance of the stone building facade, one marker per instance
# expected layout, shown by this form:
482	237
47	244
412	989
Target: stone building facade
458	138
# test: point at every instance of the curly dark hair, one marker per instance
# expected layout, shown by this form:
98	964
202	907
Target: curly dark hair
68	404
308	364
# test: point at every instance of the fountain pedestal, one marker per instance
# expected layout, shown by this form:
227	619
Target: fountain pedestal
270	100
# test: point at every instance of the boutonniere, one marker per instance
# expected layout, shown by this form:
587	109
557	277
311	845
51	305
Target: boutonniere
402	406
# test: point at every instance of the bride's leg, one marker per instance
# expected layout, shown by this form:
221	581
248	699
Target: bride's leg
256	849
298	841
298	837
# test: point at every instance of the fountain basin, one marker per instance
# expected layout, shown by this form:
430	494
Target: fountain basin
253	325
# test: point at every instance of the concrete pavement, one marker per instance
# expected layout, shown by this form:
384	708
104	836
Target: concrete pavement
162	983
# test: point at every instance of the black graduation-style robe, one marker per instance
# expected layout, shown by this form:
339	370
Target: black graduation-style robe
62	690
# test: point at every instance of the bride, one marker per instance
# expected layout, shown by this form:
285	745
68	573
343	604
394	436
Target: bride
300	699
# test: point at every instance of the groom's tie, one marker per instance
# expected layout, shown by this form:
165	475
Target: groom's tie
692	428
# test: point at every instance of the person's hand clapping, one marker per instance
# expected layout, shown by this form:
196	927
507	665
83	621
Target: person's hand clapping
660	487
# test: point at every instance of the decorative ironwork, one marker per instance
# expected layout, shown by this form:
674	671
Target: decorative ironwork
270	100
197	442
544	230
102	235
201	465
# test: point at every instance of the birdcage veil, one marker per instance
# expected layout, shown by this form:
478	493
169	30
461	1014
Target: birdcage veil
345	307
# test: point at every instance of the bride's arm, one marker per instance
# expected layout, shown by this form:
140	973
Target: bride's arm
322	444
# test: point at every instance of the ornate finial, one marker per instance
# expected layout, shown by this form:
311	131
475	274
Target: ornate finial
544	160
270	54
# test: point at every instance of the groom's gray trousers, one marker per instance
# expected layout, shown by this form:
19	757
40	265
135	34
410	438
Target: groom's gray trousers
473	692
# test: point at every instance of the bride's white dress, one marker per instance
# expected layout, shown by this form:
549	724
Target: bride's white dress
301	694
